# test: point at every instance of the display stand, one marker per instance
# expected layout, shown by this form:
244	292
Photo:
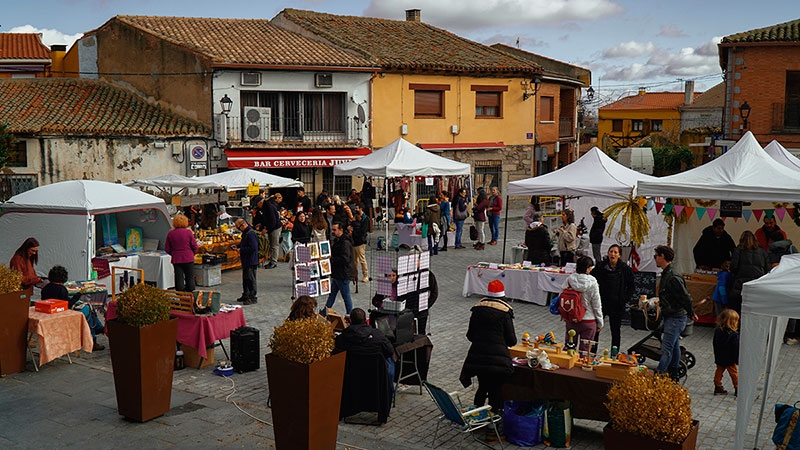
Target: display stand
312	269
127	282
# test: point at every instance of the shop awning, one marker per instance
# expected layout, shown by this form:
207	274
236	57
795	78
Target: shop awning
286	159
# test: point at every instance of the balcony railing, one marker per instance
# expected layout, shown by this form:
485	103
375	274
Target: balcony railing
348	131
565	127
786	117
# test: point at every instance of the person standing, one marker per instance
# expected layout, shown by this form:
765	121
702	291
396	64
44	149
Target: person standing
586	284
319	226
181	245
368	199
596	232
248	255
615	279
764	233
23	260
676	306
567	237
272	229
460	213
748	262
360	230
301	230
303	203
714	246
342	267
726	351
444	209
491	333
493	211
537	241
479	214
432	218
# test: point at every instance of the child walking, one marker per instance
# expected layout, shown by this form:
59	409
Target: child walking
720	296
726	350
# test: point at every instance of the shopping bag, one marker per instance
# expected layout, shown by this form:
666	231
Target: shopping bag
557	423
787	434
473	232
424	230
523	422
205	303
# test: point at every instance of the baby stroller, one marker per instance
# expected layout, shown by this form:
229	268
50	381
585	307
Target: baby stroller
649	319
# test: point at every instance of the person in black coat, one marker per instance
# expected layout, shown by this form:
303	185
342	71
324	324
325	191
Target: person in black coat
726	350
615	279
342	266
491	331
596	232
537	240
714	246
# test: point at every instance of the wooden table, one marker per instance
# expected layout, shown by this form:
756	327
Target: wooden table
59	334
583	389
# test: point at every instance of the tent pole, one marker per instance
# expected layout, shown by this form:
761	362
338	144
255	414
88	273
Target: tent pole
505	231
772	334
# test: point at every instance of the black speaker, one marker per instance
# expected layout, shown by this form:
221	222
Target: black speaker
245	349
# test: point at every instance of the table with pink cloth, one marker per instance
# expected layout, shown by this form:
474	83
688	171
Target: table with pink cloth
59	333
201	332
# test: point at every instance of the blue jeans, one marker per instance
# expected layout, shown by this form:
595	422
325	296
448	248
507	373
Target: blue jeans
459	229
94	323
433	247
494	226
343	286
671	343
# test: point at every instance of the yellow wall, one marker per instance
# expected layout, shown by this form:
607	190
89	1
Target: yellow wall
671	121
70	62
393	105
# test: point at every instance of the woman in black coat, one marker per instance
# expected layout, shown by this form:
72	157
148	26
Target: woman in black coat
616	290
491	331
537	240
748	262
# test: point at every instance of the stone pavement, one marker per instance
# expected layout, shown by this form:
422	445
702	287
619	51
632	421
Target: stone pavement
73	406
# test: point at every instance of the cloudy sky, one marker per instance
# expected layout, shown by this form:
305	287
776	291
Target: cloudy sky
625	43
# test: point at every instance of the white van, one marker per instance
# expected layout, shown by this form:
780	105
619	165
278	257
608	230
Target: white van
639	159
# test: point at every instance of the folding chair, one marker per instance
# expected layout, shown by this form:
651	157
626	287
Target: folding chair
464	420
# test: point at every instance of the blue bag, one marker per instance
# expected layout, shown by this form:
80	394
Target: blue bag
786	435
523	422
554	306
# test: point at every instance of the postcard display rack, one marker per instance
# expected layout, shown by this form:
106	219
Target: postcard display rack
413	276
312	269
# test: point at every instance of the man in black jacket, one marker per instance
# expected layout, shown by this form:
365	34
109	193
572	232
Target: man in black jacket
359	229
341	266
362	339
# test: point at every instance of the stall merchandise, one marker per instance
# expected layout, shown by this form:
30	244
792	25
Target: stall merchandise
218	247
526	283
312	269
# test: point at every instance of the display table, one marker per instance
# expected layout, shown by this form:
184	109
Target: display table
527	285
700	287
587	392
201	332
407	235
59	334
157	268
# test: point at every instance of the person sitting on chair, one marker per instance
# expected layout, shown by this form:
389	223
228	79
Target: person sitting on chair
55	289
360	338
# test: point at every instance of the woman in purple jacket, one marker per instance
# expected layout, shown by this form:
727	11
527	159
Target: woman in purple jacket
182	246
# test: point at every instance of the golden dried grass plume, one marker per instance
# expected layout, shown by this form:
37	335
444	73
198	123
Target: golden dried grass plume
10	280
304	341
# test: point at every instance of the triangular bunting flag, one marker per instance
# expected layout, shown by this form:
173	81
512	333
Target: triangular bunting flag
790	212
780	212
747	213
700	212
712	212
659	205
668	208
758	213
689	210
769	213
678	210
735	219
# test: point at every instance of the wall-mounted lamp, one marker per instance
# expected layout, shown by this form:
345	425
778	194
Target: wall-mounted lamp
536	81
744	112
590	94
226	103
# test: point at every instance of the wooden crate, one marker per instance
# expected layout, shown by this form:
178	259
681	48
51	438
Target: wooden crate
614	371
180	301
192	359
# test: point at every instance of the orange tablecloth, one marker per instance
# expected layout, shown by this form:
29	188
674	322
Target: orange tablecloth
59	333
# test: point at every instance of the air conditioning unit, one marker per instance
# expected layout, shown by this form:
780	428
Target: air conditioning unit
256	124
323	80
251	79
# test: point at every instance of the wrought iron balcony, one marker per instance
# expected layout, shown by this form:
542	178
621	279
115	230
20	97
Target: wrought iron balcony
347	131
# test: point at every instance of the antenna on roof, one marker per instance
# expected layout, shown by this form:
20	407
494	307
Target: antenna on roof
517	41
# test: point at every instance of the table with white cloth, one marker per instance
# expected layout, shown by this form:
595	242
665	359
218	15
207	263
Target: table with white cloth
157	268
530	285
407	234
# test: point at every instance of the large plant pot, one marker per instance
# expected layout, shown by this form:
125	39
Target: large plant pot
618	440
305	401
143	360
14	331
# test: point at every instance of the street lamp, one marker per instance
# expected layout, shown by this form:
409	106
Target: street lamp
226	103
537	82
744	111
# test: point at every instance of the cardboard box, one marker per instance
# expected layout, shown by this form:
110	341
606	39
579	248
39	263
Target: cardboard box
51	306
192	359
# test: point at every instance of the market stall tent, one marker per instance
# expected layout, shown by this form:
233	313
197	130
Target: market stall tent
174	181
780	154
238	179
767	304
63	218
401	159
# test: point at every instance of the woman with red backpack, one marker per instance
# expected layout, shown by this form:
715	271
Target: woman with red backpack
591	321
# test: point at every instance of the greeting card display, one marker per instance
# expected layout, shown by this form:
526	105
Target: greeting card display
423	279
302	289
325	267
325	286
302	253
384	264
423	300
384	286
313	267
302	272
424	261
324	249
313	288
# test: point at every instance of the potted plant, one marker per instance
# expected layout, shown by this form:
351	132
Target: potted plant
13	321
142	343
305	384
649	412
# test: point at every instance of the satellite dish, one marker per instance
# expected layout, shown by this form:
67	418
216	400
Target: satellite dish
356	97
362	116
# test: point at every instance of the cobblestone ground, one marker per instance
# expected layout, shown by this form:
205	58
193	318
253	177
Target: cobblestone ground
72	406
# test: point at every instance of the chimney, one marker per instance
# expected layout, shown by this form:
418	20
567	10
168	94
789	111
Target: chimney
413	15
57	54
642	90
688	95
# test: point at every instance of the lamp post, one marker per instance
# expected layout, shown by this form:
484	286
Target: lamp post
581	115
226	103
744	112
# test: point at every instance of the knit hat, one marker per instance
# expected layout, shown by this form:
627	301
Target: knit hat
496	289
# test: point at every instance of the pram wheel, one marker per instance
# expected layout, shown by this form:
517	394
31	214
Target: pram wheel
688	358
681	370
640	358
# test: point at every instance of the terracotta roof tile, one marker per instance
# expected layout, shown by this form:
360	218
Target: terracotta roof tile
712	98
244	41
22	46
405	45
73	106
782	32
648	100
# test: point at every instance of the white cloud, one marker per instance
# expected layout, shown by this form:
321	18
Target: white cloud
709	48
671	31
630	49
49	36
687	62
633	72
479	14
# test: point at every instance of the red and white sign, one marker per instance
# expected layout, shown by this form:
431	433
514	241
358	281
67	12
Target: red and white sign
283	159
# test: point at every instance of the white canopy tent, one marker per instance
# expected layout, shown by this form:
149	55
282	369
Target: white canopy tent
767	304
599	181
745	172
174	181
61	216
780	154
238	179
401	159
